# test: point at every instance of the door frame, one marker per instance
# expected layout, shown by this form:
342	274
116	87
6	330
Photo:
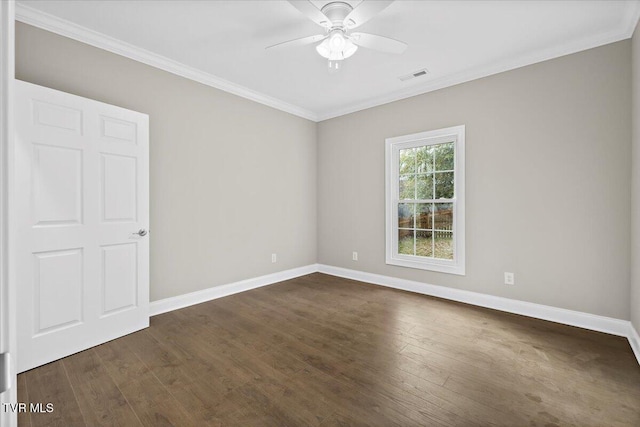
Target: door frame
7	282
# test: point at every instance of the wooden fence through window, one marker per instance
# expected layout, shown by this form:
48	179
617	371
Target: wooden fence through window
442	221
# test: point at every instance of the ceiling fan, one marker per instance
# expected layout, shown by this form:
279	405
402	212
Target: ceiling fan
338	19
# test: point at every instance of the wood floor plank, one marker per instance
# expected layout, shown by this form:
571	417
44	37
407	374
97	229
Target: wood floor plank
527	403
267	389
50	384
250	332
100	400
342	328
347	398
120	361
195	396
338	419
204	394
287	408
197	387
325	351
415	393
327	354
154	405
24	418
365	340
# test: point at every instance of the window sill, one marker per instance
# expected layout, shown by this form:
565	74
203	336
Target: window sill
440	266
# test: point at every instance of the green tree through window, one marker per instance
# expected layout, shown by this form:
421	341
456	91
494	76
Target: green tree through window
425	200
425	185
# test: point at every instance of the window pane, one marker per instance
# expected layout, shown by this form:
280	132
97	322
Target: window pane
405	242
443	154
407	161
444	185
407	187
424	191
405	215
424	243
424	157
424	215
443	216
425	186
443	244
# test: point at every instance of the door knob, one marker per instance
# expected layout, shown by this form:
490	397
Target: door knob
142	232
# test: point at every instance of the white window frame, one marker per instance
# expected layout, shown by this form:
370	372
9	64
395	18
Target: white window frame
455	134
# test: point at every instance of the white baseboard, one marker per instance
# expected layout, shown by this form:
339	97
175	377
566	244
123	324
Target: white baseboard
634	340
182	301
539	311
593	322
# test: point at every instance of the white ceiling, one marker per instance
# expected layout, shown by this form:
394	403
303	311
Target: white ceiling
222	43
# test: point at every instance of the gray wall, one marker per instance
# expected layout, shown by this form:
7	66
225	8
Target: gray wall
231	180
548	175
635	184
548	181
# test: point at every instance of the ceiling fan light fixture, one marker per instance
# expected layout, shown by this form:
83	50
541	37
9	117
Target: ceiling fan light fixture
337	41
326	49
349	49
323	49
339	18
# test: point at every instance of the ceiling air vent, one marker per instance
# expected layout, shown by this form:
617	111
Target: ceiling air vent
415	74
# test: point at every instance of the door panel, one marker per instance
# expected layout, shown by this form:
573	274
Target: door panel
57	185
119	198
83	274
118	129
58	290
57	116
119	277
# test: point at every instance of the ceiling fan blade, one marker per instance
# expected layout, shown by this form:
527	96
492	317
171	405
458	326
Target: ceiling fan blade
298	42
379	43
365	11
311	12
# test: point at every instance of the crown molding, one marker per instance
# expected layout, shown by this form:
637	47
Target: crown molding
624	31
631	18
32	16
37	18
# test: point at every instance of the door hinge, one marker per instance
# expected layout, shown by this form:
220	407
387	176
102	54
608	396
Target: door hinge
5	372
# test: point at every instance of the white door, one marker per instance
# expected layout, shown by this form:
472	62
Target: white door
82	195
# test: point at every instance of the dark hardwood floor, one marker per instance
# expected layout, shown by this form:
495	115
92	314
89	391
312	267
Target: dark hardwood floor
325	351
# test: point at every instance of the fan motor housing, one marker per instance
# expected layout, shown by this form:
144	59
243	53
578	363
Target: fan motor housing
336	12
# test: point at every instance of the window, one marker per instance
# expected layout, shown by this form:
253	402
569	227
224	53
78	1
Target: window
425	200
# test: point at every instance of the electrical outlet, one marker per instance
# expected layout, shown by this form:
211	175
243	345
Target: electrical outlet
274	257
509	279
354	256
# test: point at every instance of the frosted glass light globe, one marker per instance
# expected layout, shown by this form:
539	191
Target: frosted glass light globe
337	42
